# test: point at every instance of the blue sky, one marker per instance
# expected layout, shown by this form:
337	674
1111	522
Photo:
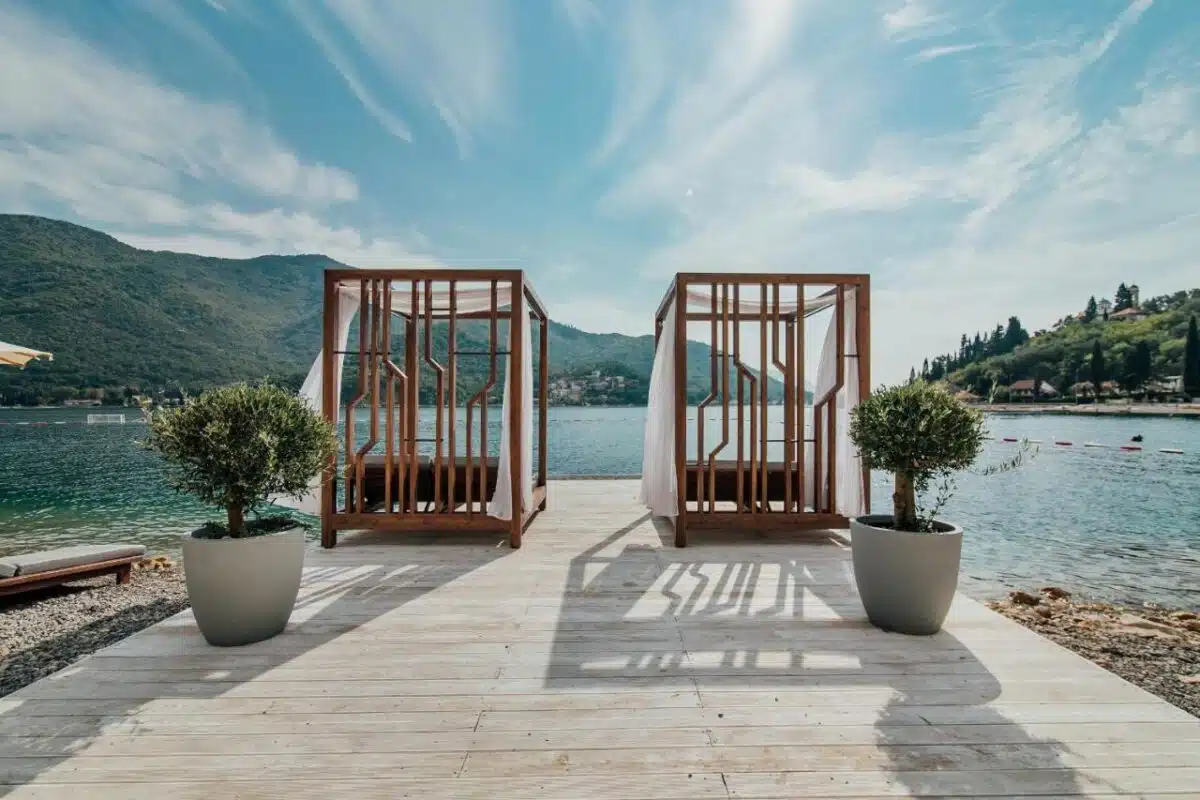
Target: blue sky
976	158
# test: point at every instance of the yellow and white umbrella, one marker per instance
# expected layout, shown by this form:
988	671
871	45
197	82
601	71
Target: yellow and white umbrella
13	355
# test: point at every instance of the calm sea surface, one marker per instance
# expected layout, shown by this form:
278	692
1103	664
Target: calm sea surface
1110	524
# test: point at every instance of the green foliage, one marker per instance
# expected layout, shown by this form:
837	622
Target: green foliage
918	432
1065	354
237	446
132	321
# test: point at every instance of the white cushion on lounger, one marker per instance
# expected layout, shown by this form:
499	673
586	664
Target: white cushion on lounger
66	557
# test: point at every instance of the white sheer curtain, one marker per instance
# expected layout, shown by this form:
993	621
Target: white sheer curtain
349	302
849	501
501	503
659	482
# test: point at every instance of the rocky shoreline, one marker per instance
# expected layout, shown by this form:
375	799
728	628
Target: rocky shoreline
43	632
1155	648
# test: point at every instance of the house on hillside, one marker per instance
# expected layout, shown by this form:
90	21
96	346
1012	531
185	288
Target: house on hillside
1132	314
1023	390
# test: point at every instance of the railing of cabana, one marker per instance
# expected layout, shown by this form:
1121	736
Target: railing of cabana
439	476
750	490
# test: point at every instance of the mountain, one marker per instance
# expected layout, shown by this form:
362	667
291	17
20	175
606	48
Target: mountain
119	318
1138	344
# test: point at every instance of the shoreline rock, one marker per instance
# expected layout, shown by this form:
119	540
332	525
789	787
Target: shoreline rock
1155	648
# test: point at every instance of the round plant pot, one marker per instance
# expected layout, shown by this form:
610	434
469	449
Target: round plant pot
243	590
906	580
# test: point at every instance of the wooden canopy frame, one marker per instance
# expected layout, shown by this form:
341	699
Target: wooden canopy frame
404	489
753	493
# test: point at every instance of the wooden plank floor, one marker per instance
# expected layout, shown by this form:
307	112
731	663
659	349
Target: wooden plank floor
596	662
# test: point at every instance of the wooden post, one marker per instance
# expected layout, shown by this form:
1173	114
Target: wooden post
516	375
543	396
329	400
681	410
862	346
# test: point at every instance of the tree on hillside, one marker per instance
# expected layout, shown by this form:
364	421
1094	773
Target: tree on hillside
1123	298
912	375
1089	311
996	341
1099	370
1191	361
925	369
1014	335
1137	367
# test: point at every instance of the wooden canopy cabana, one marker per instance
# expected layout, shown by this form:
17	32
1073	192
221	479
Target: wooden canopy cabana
437	337
762	468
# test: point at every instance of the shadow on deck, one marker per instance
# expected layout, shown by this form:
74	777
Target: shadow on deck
757	624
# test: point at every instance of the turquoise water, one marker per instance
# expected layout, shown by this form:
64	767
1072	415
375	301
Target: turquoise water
1111	524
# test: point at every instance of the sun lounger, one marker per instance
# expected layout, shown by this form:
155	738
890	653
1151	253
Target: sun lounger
29	571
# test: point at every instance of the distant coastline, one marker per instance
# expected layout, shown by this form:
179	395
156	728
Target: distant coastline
1093	410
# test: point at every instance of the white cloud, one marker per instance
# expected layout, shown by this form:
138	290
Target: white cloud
451	55
219	230
63	100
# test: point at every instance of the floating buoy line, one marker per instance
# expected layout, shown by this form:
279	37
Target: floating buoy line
1129	448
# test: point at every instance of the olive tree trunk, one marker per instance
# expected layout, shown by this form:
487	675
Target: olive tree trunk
904	503
237	519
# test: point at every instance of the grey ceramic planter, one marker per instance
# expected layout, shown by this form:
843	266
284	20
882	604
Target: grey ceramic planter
906	580
243	590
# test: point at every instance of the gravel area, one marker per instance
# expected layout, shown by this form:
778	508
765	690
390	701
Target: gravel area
1155	648
43	632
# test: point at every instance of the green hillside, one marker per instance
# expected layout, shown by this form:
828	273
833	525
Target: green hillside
127	320
1137	345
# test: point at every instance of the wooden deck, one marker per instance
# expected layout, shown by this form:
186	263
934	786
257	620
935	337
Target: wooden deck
596	662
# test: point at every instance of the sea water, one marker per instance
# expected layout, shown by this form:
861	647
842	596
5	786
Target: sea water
1111	524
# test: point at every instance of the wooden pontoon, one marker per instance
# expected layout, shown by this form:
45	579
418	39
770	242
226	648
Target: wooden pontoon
408	473
764	471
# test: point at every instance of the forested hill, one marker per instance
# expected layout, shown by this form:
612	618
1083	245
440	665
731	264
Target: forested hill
1135	343
126	320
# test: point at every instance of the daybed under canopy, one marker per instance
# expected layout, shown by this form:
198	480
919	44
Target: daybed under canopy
404	471
764	471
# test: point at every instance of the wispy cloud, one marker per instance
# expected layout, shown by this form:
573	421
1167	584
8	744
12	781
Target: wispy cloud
343	64
451	55
913	19
931	53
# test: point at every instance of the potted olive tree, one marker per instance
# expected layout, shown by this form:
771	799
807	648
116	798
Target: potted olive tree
906	563
235	447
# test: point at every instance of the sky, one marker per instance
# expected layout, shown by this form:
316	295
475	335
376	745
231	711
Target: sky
977	158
